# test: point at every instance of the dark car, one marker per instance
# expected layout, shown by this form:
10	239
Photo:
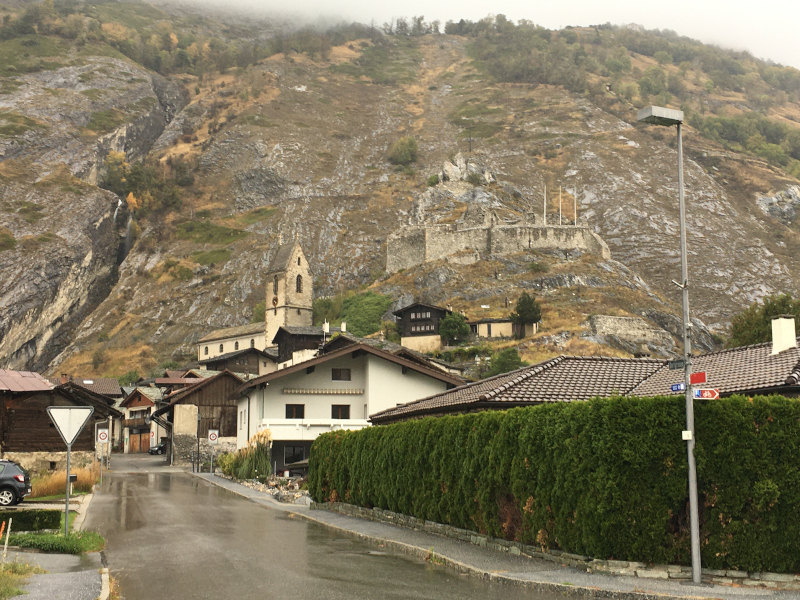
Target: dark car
158	449
15	483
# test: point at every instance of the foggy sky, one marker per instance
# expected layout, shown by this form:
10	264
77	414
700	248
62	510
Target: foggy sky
768	29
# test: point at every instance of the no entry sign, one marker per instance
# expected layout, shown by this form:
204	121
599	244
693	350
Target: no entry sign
213	436
102	436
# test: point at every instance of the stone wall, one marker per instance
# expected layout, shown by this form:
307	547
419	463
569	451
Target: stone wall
776	581
417	245
186	448
39	462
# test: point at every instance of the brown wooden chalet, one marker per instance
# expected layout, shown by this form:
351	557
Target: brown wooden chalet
215	398
251	361
293	339
24	423
419	319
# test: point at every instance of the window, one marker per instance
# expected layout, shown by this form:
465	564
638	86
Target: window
295	411
206	351
340	374
298	261
252	343
236	345
220	347
275	284
299	284
340	411
293	454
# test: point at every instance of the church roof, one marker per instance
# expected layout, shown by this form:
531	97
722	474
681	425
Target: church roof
232	332
280	262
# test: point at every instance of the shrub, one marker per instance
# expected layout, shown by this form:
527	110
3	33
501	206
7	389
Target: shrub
32	520
74	543
403	151
604	478
251	462
433	180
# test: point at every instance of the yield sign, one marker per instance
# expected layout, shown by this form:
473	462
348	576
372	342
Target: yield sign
69	420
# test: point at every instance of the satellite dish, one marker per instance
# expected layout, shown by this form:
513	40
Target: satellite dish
147	420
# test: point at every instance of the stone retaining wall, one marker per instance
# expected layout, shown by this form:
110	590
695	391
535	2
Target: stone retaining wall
777	581
39	462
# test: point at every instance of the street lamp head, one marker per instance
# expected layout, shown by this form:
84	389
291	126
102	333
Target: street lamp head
658	115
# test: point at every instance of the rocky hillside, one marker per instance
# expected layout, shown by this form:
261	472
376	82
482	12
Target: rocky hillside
296	142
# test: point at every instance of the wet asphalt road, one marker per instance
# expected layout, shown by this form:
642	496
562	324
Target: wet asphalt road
171	535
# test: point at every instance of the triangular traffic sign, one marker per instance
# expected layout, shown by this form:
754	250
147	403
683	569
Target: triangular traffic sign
69	420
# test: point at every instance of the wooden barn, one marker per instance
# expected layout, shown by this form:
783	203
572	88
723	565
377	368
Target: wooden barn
215	399
25	426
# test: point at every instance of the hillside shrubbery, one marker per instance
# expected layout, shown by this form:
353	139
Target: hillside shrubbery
605	478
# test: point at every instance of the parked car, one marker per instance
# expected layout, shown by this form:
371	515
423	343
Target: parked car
15	483
158	449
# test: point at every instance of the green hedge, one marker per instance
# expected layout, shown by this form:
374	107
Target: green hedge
605	478
32	520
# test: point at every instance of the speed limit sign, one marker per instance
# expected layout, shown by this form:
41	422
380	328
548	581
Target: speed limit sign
102	435
213	436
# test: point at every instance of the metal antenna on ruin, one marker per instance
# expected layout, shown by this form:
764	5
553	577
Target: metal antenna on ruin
544	206
559	205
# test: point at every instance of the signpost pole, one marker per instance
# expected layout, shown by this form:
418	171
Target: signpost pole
66	503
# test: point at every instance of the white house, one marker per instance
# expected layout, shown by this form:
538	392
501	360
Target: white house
337	390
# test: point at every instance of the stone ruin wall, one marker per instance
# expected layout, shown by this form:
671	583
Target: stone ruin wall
420	245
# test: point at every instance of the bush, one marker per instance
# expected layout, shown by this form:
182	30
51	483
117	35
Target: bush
403	151
251	462
604	478
32	520
74	543
433	180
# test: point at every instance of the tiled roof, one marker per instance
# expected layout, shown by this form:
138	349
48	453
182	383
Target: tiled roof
561	379
388	356
107	386
232	332
748	369
271	353
400	311
23	381
738	370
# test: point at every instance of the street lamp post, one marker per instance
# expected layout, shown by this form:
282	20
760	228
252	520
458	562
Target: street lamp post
657	115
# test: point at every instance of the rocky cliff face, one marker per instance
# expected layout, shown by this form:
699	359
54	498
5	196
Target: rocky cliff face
63	236
295	146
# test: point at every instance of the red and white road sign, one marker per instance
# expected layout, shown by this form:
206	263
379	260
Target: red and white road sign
699	377
213	436
152	434
706	393
102	435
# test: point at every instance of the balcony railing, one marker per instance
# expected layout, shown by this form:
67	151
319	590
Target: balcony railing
307	429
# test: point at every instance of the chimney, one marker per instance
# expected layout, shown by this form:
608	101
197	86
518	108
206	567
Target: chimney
343	327
783	333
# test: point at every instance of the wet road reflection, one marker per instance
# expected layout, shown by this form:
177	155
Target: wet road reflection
170	535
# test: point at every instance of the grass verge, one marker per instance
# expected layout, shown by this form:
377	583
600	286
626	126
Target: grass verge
74	543
11	577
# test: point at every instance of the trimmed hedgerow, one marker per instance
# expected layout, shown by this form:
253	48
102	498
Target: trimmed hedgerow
605	478
33	520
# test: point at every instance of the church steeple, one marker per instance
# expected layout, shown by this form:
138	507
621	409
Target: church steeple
289	291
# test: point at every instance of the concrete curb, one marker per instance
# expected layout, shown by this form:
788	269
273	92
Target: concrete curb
80	517
105	584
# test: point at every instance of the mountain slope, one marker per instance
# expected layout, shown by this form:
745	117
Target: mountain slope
296	144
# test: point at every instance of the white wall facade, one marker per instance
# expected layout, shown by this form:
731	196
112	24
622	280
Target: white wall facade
375	384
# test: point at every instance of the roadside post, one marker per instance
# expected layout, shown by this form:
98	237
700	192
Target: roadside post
69	422
213	438
102	439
